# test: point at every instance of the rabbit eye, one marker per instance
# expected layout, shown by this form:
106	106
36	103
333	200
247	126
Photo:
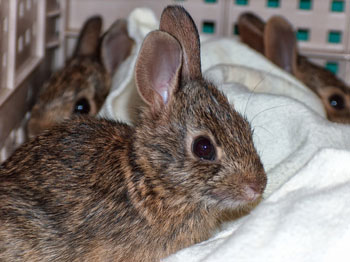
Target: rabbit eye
82	106
337	102
203	148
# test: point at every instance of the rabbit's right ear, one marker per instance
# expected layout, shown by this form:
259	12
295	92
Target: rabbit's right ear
176	21
251	31
157	70
89	37
280	44
116	45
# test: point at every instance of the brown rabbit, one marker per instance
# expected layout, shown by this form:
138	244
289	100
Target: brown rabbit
83	84
97	190
276	40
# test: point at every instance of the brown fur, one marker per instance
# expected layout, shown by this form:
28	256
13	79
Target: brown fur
276	40
98	190
86	75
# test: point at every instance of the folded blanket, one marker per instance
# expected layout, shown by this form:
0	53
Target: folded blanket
304	215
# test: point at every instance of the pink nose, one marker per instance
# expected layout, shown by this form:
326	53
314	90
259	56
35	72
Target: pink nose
251	193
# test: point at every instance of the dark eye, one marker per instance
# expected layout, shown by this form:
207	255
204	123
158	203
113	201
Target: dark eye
337	102
203	148
82	106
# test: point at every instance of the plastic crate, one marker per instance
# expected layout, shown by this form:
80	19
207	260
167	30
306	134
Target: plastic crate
207	14
24	43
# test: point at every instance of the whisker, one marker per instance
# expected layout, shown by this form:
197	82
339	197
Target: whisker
261	151
274	107
264	128
253	91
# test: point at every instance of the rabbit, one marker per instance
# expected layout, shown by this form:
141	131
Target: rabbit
276	40
84	82
93	189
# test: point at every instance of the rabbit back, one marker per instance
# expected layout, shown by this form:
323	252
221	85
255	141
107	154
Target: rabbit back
56	195
67	200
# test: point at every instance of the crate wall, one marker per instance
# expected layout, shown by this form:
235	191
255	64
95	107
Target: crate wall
201	10
55	34
207	14
26	62
313	19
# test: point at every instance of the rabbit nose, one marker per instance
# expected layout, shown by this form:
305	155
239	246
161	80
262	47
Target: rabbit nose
252	192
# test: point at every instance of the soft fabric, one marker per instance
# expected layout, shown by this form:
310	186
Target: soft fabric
304	215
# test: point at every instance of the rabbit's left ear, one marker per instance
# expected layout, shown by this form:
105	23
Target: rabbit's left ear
89	37
280	44
116	45
157	70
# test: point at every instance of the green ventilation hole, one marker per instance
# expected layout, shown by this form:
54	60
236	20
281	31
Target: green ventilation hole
235	29
210	1
337	6
241	2
208	27
334	37
303	34
332	66
305	4
273	3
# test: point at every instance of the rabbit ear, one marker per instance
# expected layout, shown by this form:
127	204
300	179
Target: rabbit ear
280	43
177	22
116	45
251	31
89	36
157	71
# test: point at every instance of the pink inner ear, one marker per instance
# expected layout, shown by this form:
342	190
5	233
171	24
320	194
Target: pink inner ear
163	91
157	70
115	50
116	45
164	72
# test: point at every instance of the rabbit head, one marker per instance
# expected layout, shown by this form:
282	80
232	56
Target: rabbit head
83	84
276	40
200	146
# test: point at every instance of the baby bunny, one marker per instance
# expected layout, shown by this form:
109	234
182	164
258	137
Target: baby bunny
83	84
97	190
276	40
